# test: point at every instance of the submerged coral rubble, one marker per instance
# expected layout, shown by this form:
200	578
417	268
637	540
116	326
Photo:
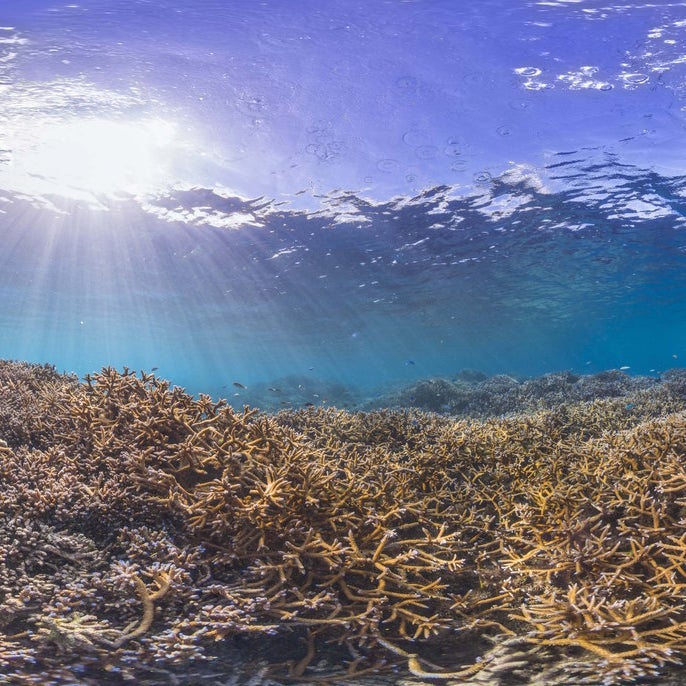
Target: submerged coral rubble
142	531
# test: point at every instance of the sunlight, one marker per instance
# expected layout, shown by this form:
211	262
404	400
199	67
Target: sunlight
100	156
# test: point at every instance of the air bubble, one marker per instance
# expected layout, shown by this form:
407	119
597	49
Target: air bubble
415	137
519	104
528	71
251	104
483	178
326	152
387	165
537	86
634	79
321	127
426	152
504	130
452	150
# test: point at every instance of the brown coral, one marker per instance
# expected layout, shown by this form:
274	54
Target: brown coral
143	530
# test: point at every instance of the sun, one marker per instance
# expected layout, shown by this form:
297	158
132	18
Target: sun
72	139
99	157
105	157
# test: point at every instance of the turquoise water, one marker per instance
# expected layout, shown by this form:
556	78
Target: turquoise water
361	194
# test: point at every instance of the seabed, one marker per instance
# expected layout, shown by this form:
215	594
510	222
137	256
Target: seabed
150	537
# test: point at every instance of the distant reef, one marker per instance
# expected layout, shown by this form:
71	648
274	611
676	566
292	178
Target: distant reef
472	394
150	537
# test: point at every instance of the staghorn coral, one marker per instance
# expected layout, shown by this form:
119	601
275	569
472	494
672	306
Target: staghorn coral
144	533
27	394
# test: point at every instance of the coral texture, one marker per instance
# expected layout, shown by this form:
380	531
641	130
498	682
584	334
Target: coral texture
143	531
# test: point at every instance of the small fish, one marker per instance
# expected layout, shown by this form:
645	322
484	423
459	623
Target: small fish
238	385
273	389
154	369
409	362
624	368
675	356
309	404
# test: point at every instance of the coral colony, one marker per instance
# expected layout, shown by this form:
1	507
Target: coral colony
145	534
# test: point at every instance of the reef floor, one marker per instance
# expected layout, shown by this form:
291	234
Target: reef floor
150	537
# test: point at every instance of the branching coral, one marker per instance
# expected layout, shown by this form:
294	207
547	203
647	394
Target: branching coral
145	530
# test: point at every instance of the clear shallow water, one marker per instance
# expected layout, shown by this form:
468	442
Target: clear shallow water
365	194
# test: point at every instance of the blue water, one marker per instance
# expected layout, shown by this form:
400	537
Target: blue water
360	193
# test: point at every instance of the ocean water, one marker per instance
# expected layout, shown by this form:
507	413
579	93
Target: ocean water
362	194
465	219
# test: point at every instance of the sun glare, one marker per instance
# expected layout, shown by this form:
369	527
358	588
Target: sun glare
99	157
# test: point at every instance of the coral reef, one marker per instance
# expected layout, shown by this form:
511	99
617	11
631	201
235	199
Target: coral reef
152	536
474	395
